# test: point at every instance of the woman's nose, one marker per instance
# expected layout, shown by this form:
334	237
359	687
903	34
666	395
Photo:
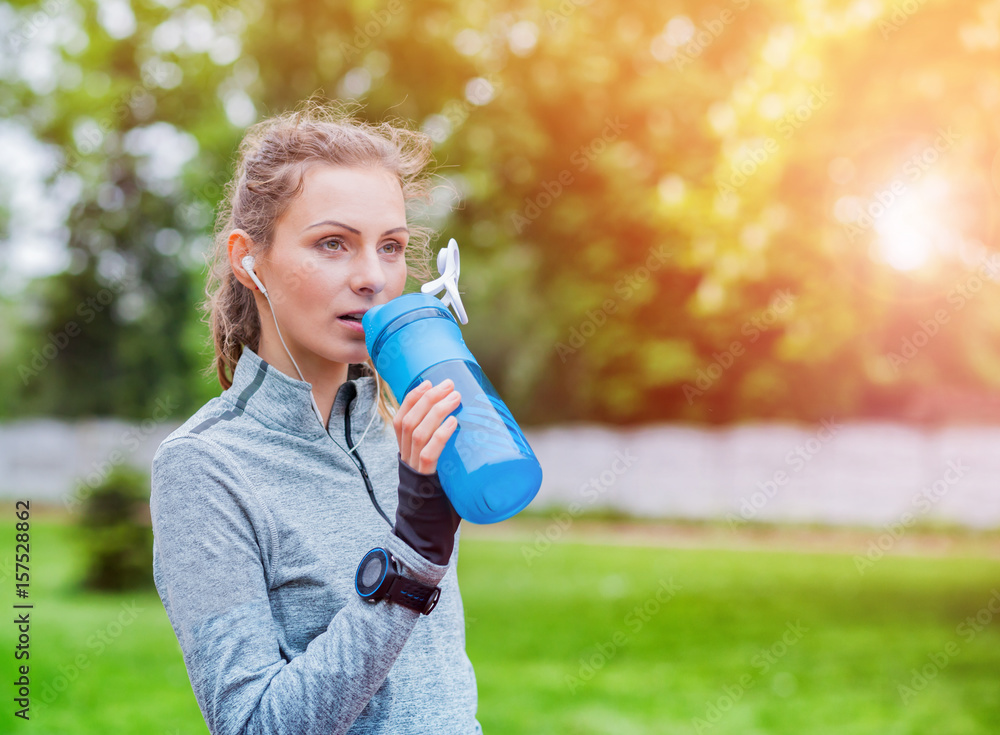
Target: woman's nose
367	272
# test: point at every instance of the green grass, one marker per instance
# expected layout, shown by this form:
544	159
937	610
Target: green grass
694	662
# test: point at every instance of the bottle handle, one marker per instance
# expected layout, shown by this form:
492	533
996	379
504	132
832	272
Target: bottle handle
449	267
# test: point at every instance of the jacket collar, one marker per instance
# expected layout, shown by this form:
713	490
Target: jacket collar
282	402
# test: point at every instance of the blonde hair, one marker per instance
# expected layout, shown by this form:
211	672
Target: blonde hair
271	162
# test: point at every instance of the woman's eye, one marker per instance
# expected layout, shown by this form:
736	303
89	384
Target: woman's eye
336	245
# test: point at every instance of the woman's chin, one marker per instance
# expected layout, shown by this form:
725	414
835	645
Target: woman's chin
347	352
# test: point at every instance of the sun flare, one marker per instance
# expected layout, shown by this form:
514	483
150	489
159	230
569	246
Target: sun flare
915	227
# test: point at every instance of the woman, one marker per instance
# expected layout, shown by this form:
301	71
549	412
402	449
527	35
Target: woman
265	501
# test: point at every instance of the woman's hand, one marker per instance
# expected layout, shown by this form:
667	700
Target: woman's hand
420	427
425	518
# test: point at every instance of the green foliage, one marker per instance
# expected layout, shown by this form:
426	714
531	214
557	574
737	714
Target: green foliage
629	209
116	533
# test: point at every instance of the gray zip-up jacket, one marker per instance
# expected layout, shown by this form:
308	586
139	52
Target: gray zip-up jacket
259	522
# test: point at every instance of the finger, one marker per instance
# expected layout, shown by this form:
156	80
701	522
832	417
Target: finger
411	398
428	457
419	410
414	394
436	413
423	432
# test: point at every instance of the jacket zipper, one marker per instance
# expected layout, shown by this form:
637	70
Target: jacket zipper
360	463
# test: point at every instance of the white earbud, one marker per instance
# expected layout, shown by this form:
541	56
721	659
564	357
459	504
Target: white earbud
248	267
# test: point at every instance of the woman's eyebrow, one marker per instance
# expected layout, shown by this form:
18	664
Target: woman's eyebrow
348	227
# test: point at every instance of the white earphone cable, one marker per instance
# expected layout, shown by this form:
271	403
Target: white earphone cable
288	352
374	411
248	266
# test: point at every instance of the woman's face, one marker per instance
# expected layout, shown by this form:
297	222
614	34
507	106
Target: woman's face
337	249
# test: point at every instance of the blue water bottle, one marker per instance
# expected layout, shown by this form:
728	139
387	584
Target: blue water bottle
486	468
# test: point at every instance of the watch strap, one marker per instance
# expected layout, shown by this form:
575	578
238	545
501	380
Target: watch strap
413	595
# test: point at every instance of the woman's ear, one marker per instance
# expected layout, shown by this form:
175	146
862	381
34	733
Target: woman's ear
239	248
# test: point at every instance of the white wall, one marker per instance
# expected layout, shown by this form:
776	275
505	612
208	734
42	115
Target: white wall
869	474
60	462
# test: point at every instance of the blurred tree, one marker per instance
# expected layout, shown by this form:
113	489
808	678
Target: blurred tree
669	205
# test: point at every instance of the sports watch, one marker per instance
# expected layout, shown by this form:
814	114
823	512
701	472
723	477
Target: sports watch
377	579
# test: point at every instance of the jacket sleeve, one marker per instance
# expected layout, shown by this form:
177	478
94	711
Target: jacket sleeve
209	569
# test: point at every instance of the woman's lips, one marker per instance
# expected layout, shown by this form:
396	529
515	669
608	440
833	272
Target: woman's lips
352	324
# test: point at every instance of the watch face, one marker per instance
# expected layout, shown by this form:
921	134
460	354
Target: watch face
371	572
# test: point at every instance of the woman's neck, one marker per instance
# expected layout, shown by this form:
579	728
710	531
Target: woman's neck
325	376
